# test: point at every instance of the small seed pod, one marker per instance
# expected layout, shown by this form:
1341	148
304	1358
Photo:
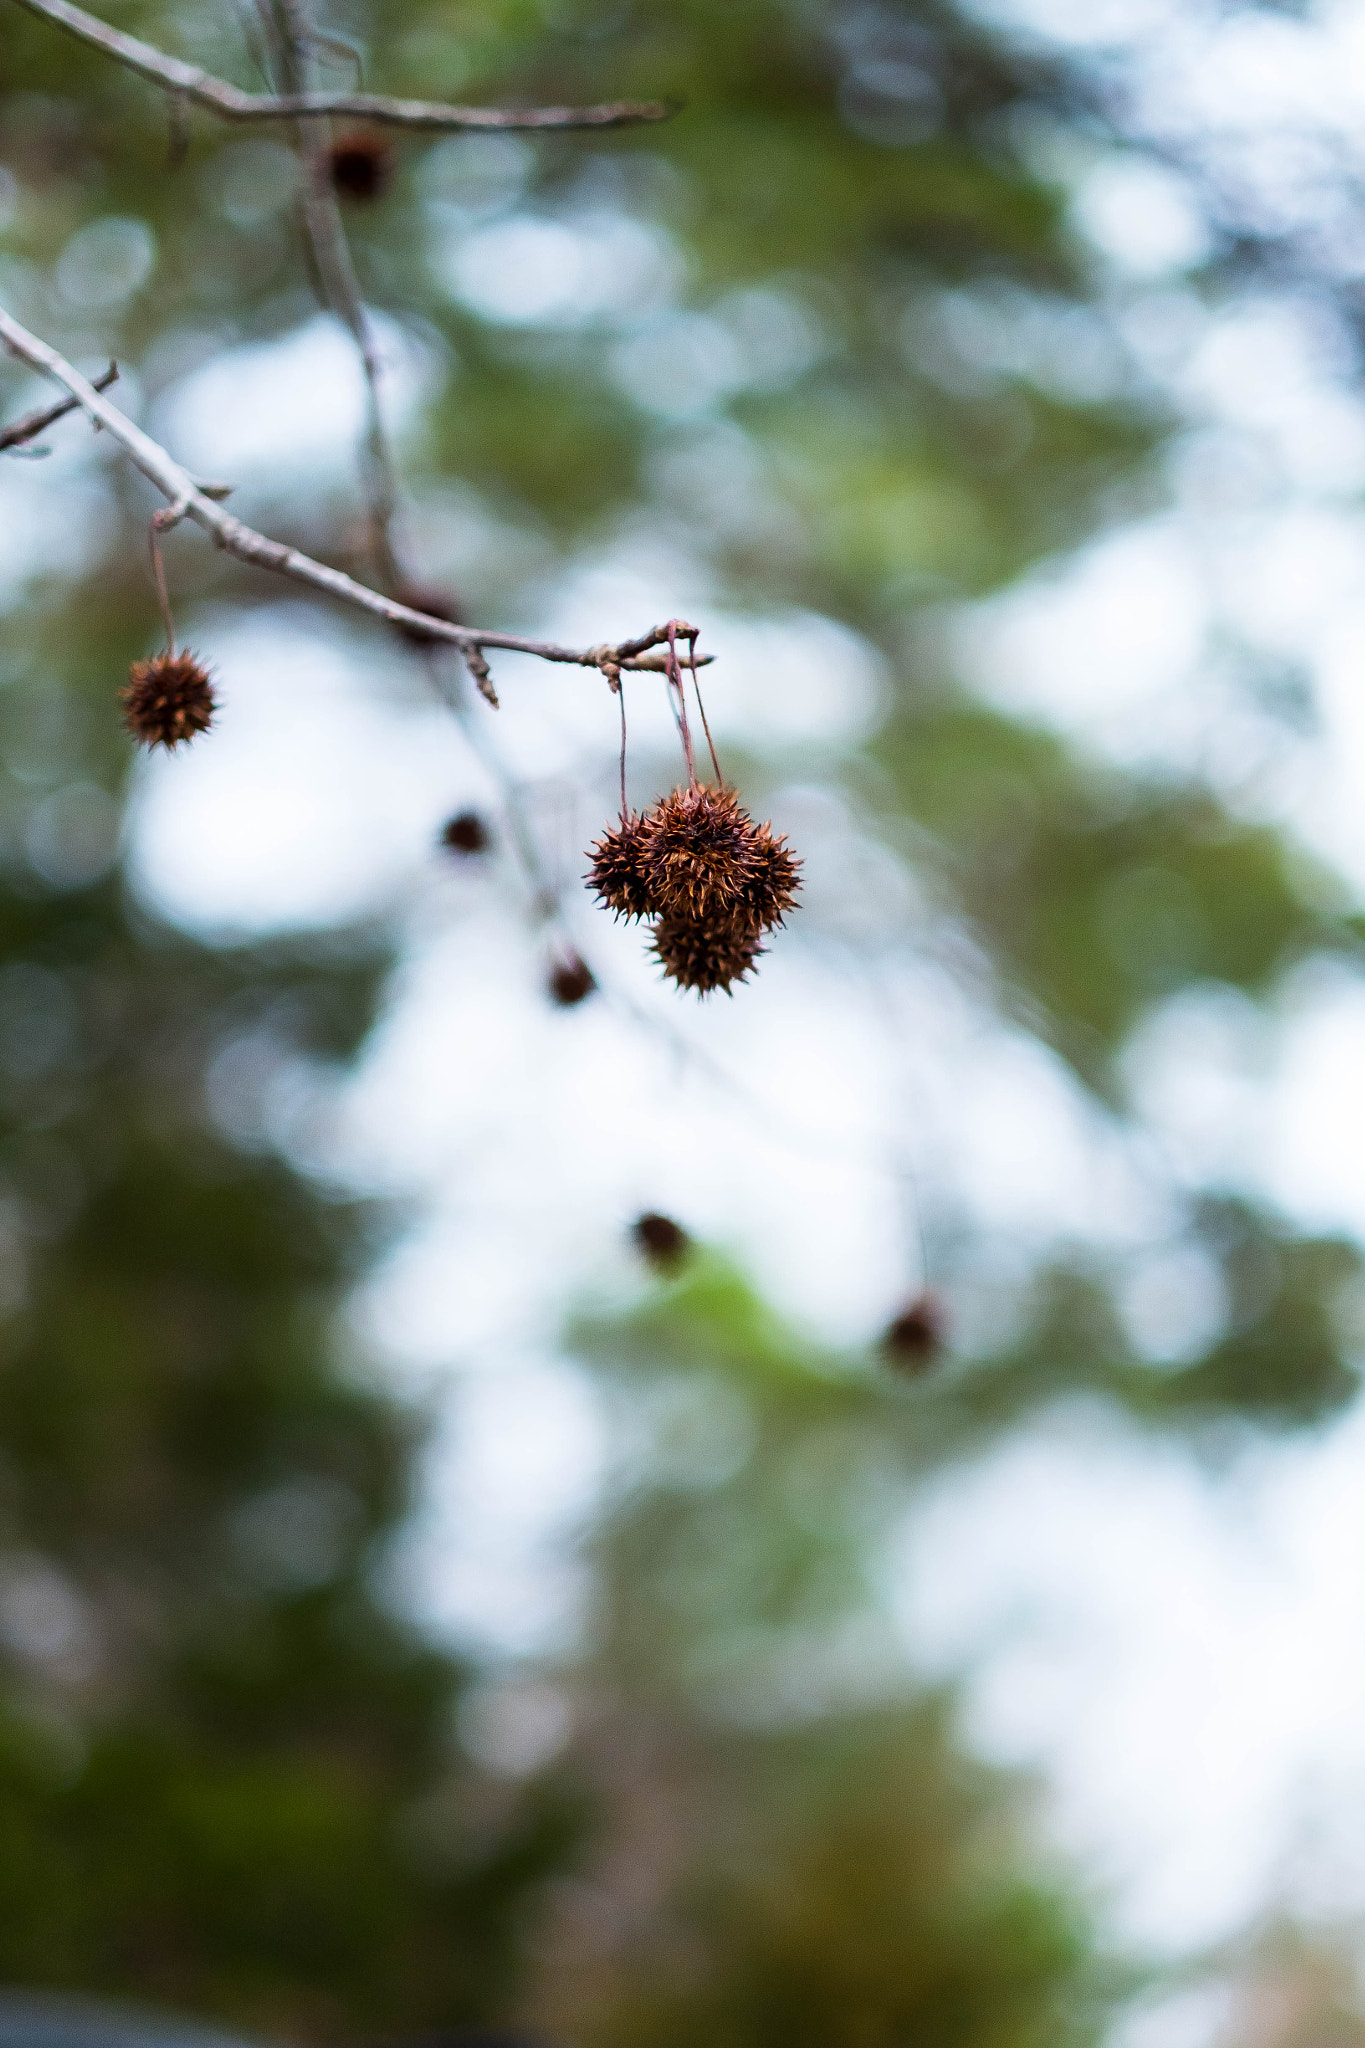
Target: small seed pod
465	833
706	954
167	700
914	1340
571	981
772	879
698	853
360	165
617	872
437	604
661	1241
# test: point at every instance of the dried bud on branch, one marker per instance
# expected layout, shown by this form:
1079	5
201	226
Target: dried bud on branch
168	699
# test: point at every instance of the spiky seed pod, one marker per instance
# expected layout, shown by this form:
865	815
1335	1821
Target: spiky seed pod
360	165
697	853
437	604
914	1340
168	699
706	953
772	879
571	981
664	1243
465	833
617	872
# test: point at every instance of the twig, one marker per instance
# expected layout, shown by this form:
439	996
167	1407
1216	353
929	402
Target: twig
35	423
340	286
236	538
680	696
232	104
705	725
161	522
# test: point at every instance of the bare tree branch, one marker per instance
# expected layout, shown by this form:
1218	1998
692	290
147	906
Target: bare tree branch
189	500
338	282
191	82
34	423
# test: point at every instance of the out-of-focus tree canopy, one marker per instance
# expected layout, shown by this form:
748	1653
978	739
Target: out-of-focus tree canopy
832	336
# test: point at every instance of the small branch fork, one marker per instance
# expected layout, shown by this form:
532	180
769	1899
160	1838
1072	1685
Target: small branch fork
187	499
34	423
189	82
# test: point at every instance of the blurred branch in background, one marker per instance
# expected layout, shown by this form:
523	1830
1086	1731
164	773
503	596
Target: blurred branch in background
293	39
187	81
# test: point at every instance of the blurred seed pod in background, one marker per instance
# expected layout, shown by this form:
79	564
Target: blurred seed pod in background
360	165
914	1341
660	1241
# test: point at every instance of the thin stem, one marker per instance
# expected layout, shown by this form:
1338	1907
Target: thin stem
230	103
621	699
696	691
341	288
676	683
158	520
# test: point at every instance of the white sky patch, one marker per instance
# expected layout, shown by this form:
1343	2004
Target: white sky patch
1094	643
1096	23
1185	1656
529	270
552	1130
1316	1137
1145	218
1037	1161
795	679
54	512
294	404
314	801
1200	1074
516	1465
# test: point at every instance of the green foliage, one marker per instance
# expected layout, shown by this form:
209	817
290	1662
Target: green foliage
873	1897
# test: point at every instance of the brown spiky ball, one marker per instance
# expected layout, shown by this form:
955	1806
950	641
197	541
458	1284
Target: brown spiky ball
360	165
698	852
617	871
571	981
168	699
772	878
664	1243
465	833
706	953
